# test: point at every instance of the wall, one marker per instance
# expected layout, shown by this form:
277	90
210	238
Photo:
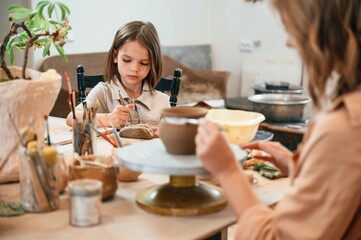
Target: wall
221	23
236	20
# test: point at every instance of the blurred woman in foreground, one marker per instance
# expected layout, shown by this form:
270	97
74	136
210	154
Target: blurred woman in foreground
324	197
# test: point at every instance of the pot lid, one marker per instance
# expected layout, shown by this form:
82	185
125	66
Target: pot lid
292	89
279	99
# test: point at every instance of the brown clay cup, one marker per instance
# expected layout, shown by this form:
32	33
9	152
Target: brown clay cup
178	128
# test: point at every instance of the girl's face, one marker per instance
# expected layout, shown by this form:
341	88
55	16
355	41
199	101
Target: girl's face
133	63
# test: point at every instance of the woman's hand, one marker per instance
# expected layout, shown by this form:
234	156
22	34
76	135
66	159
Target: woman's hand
213	149
217	156
277	153
119	116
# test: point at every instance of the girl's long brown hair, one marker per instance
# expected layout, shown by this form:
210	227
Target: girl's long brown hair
147	35
328	37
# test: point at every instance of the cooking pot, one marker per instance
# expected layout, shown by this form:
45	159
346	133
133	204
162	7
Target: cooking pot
280	107
277	87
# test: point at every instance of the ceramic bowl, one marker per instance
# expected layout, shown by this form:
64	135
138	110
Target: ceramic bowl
239	126
96	167
178	128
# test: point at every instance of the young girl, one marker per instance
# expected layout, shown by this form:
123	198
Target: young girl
324	198
132	70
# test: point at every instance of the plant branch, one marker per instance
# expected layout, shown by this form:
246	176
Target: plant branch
35	26
28	45
13	29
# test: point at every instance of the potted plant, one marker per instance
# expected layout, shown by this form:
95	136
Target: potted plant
27	95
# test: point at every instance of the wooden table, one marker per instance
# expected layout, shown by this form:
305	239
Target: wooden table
121	218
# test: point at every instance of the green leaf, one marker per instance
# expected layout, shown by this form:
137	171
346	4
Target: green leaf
64	11
61	52
8	46
46	51
41	5
4	79
18	9
11	53
51	9
36	21
42	40
63	6
17	47
63	14
19	15
32	15
46	26
52	21
23	37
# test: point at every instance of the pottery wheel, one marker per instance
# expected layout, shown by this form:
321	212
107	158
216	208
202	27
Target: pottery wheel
151	156
183	195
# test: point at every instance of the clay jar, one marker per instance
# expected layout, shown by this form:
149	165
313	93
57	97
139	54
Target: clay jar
178	128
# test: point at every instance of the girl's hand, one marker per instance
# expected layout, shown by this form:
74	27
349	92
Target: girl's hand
213	149
119	116
156	132
277	153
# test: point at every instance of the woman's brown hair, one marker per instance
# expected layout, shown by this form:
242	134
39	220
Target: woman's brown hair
327	34
146	34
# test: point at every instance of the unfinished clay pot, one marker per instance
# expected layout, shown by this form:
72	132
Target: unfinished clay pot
127	175
178	128
96	167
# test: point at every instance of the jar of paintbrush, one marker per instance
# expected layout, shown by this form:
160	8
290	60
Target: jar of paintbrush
39	172
84	132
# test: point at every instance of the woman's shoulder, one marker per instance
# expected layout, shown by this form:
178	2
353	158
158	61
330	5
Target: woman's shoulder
340	119
343	115
332	134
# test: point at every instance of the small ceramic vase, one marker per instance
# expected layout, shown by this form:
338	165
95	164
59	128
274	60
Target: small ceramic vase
178	128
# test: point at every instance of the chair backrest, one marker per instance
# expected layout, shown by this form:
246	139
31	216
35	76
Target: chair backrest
171	85
164	85
86	81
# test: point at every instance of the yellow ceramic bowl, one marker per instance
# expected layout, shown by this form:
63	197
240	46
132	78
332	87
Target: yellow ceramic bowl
239	126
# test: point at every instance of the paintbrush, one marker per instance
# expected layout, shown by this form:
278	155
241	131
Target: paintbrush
47	129
117	138
123	103
121	99
68	86
104	136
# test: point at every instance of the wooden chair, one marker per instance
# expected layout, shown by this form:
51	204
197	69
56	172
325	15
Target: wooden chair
171	85
86	81
164	85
